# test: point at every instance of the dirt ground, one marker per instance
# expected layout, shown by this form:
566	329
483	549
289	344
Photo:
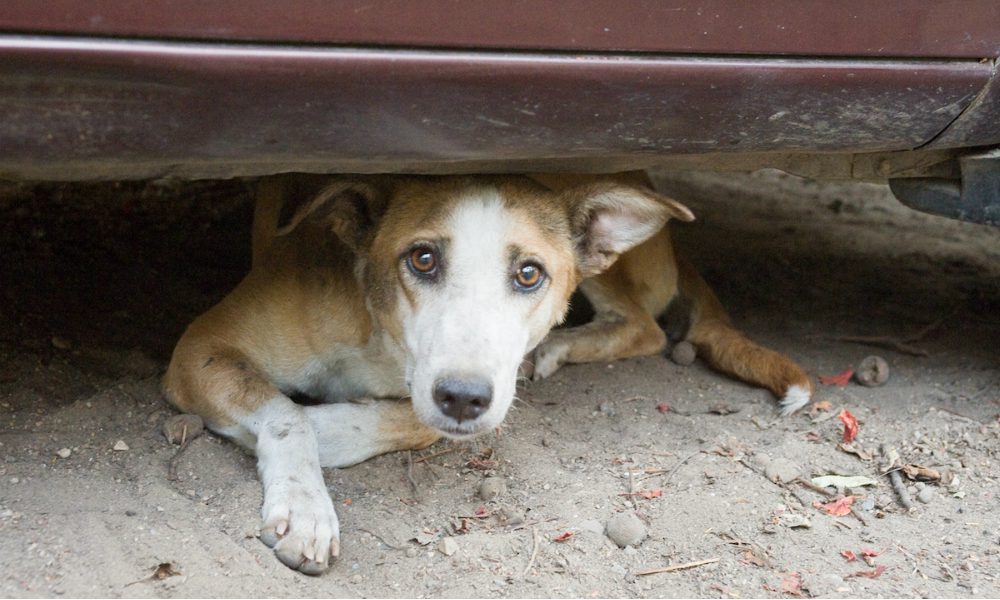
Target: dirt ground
98	281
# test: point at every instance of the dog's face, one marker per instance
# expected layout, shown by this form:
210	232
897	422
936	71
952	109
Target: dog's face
470	274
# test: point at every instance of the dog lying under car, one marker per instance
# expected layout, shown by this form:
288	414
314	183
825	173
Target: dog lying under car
368	290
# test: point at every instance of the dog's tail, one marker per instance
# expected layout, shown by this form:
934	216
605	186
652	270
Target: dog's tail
270	194
728	350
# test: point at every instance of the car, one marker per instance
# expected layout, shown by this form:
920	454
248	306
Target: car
900	90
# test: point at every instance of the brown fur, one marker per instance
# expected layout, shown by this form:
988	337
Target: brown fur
631	296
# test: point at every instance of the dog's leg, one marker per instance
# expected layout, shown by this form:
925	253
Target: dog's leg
221	385
291	442
621	328
728	350
351	432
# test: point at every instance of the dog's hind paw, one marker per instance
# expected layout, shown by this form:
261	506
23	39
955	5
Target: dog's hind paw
795	398
301	526
549	356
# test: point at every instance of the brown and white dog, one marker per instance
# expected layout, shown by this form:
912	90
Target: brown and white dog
431	288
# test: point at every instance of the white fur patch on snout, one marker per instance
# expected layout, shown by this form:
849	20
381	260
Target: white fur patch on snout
471	321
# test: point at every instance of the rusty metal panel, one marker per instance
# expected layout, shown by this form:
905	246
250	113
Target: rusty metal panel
883	28
979	124
114	108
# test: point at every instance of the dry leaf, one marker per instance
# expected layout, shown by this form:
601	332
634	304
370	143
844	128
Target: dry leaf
919	473
850	425
164	570
821	406
856	451
647	494
869	574
663	407
841	379
563	537
869	552
792	584
849	555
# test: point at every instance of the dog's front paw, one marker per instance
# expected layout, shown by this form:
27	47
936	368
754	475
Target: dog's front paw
301	525
549	356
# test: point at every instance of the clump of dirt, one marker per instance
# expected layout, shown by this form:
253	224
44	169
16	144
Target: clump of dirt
99	280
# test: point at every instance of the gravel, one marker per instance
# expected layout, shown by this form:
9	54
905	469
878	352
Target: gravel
626	529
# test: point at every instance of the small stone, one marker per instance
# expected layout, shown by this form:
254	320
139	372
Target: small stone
130	513
63	452
919	485
447	546
926	495
782	470
120	446
511	516
793	521
868	504
873	371
491	487
626	529
683	353
356	578
607	409
411	552
15	480
182	428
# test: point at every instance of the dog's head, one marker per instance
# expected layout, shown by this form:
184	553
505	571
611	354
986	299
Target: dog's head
469	274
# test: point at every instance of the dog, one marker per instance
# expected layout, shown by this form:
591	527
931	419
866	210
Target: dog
367	290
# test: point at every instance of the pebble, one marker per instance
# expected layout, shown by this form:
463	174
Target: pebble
782	470
607	409
411	552
491	487
512	516
64	452
683	353
120	446
447	546
182	427
626	529
793	521
15	480
926	495
873	371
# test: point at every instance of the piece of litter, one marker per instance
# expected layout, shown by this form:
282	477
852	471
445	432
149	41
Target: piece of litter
120	446
840	481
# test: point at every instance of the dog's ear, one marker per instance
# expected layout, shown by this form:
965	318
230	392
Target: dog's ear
350	208
608	219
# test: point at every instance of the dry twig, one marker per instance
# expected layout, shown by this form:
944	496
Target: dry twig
891	458
680	567
898	344
534	552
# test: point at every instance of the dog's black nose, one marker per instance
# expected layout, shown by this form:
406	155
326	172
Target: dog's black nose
463	399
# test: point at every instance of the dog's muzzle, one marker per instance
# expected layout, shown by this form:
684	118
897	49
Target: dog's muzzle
463	400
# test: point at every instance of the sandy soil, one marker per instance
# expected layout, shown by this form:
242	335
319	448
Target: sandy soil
98	281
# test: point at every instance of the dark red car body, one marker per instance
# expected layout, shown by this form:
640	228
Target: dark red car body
875	90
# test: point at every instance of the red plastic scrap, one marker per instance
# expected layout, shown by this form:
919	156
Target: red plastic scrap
841	379
849	555
850	425
837	508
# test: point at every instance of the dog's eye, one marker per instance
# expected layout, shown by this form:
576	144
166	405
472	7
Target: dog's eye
422	261
529	276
